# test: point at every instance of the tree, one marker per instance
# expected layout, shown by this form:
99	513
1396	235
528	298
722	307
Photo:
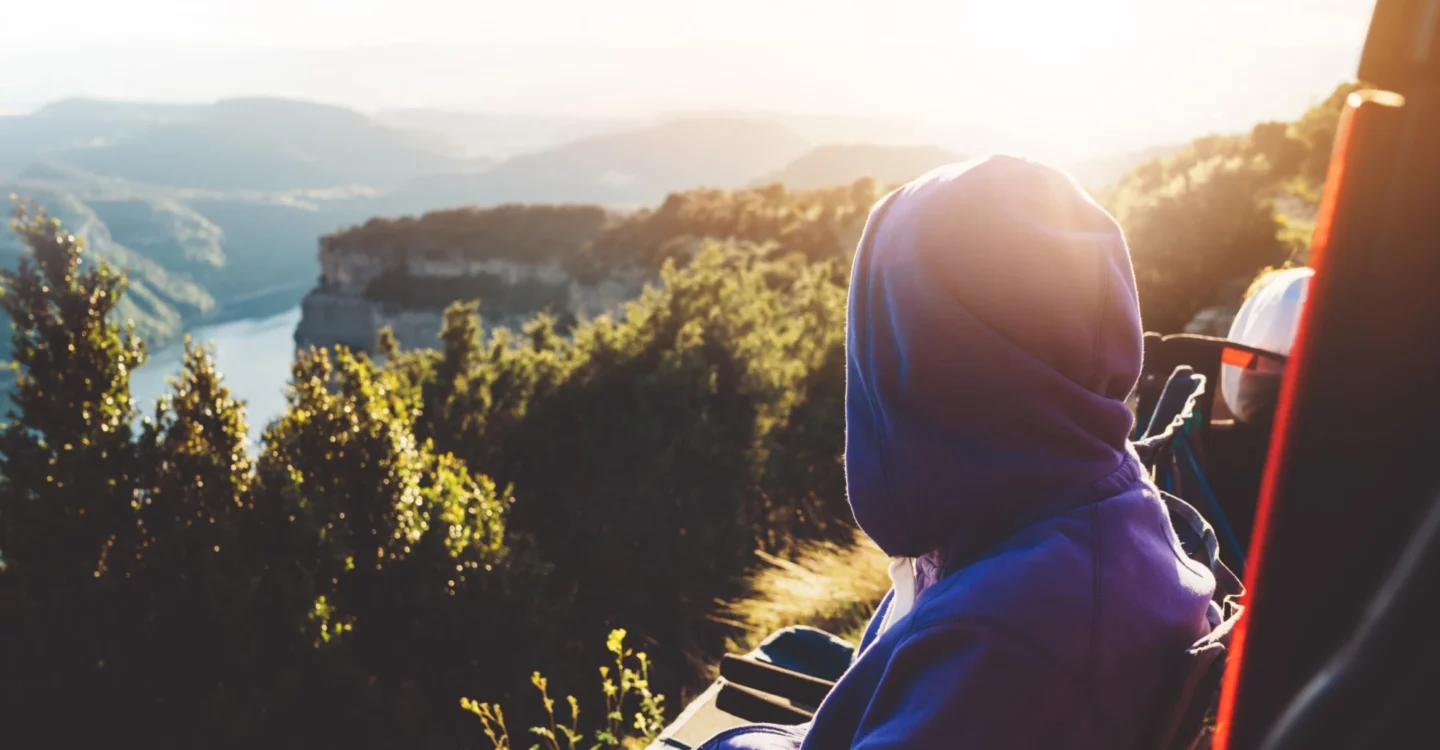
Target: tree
460	352
1203	230
347	586
397	547
1316	129
1202	221
659	435
67	467
189	587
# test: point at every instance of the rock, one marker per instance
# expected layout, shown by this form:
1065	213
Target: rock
350	306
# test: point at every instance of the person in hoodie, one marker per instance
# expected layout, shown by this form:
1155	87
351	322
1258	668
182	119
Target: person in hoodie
1041	598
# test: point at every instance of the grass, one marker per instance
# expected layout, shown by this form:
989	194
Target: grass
833	587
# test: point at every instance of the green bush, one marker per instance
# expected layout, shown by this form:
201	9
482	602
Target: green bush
667	421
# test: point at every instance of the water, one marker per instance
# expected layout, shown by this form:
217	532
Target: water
253	355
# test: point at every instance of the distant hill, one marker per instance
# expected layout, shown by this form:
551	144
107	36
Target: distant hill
190	257
969	137
215	209
81	109
835	164
1104	171
249	144
159	298
166	231
211	209
842	164
77	123
635	166
501	135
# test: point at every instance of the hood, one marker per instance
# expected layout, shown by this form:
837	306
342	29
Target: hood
993	336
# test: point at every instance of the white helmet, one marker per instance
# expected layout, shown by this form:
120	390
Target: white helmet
1268	320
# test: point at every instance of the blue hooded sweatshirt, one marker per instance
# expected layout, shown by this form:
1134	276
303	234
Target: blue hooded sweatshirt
993	337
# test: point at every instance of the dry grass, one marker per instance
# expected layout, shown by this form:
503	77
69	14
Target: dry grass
834	587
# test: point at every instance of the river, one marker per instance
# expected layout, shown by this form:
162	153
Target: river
254	355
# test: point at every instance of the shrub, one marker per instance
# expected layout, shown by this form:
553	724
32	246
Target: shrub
616	729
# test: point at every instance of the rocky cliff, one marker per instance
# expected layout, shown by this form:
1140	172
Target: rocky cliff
580	260
403	274
334	314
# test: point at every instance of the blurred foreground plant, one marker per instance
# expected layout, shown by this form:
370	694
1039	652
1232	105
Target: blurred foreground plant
623	683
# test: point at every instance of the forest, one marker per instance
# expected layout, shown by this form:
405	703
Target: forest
430	533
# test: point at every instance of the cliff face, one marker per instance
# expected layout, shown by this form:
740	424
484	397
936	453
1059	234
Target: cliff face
581	260
363	290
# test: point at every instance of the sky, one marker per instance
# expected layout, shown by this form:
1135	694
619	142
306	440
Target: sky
1058	75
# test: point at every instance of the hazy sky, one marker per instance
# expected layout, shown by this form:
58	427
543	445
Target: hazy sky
1071	75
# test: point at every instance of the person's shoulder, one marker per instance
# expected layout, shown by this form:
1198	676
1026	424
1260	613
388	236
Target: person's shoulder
1050	581
1051	559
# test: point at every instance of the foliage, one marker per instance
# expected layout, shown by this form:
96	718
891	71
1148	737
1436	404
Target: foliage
67	464
357	567
1197	232
667	421
171	585
527	233
818	224
1204	217
617	688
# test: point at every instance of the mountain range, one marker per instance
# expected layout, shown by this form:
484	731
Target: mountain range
215	209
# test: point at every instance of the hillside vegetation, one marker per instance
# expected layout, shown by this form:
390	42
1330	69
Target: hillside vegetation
271	596
1200	220
590	241
441	525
